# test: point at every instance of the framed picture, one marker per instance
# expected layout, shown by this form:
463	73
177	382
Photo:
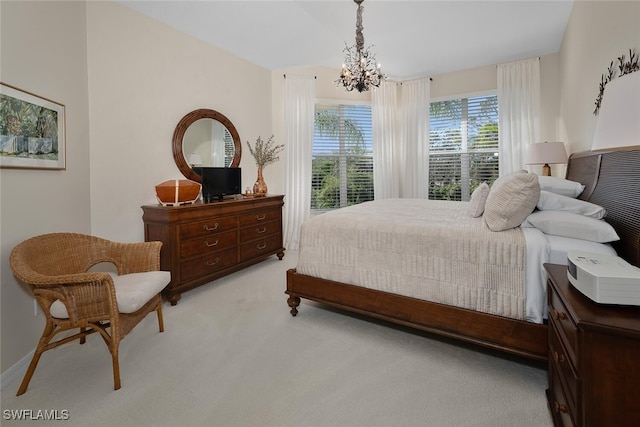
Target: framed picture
32	130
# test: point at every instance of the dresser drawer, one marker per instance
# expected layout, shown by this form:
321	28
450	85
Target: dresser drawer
557	401
567	329
564	369
203	245
204	228
260	217
259	231
208	264
259	247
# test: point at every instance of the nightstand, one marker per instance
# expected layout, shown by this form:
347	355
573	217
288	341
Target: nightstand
594	358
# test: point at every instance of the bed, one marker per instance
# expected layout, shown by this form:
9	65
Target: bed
500	317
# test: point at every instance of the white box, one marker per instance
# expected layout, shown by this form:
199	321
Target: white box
605	279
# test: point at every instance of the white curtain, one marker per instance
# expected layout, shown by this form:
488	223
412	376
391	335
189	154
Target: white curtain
386	141
217	144
298	120
518	111
415	137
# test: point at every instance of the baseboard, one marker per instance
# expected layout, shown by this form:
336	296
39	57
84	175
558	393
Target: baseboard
15	372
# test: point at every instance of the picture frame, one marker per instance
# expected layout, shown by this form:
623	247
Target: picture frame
32	131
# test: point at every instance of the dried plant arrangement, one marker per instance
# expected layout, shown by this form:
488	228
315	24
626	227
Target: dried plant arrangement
265	152
624	67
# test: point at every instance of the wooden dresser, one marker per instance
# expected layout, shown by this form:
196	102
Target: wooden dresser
594	358
205	241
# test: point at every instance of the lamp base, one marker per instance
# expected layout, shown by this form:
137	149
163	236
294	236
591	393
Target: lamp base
546	170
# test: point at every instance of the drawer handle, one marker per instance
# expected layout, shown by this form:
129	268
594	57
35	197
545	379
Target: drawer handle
558	357
559	315
215	227
261	230
211	263
261	217
211	244
559	407
261	246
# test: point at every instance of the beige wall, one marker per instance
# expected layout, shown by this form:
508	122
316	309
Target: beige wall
598	33
43	52
143	78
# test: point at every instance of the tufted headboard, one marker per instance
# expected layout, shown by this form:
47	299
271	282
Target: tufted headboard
612	180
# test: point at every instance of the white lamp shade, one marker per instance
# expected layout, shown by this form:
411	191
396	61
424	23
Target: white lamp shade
618	123
547	153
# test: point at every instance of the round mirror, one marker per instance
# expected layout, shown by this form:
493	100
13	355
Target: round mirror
205	138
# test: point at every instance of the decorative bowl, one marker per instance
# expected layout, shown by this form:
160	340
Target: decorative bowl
178	192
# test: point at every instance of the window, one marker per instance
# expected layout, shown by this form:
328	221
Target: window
229	148
342	164
463	146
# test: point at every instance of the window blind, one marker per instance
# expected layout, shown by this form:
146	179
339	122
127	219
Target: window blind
229	148
463	146
342	163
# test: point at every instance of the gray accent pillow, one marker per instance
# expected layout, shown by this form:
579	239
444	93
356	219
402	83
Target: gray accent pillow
478	200
511	199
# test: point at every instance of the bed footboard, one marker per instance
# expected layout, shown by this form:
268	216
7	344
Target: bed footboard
512	336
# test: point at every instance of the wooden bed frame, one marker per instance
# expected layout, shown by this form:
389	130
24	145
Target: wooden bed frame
611	179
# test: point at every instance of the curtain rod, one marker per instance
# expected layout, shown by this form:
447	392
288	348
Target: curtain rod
417	78
285	76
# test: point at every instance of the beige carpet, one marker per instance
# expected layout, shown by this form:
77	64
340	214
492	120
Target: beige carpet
232	355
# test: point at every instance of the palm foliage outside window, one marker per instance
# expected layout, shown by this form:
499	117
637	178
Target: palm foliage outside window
342	163
463	146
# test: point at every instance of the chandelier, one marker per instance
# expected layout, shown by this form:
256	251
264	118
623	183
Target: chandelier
359	70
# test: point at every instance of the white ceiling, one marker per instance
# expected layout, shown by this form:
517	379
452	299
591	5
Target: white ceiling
411	38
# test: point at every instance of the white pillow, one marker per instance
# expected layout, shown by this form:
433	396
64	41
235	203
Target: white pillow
560	245
510	200
567	224
561	186
556	202
478	200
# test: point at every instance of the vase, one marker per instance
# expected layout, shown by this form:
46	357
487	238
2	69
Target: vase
260	187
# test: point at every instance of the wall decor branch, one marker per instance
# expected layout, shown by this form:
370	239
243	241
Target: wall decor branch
624	67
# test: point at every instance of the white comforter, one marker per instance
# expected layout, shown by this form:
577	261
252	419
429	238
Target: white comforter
429	250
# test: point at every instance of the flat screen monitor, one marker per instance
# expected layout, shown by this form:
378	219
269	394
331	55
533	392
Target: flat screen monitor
219	182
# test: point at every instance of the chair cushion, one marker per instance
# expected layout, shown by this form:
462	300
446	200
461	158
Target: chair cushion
132	291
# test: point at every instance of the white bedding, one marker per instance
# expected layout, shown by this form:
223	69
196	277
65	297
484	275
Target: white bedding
368	256
559	246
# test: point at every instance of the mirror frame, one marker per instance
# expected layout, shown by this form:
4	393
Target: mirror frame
181	128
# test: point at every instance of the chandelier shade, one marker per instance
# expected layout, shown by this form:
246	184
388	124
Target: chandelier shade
359	70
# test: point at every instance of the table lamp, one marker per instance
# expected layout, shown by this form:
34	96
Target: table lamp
544	153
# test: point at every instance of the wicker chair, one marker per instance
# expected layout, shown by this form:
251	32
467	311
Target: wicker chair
56	266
